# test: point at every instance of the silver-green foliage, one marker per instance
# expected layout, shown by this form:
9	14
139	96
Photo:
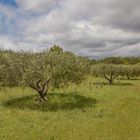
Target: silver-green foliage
111	71
60	67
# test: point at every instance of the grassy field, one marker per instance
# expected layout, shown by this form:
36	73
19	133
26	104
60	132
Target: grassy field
86	112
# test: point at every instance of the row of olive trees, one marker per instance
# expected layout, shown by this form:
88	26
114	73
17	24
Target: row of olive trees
55	68
111	71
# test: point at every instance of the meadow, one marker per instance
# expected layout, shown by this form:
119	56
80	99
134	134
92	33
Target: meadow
84	112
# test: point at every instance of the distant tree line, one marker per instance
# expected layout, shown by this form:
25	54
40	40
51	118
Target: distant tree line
118	60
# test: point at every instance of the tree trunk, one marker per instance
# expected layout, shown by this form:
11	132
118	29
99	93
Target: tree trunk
111	78
128	77
111	81
42	89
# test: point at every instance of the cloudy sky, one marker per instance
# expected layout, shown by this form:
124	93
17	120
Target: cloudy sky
93	28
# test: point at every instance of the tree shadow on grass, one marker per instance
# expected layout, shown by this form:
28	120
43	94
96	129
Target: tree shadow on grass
114	84
131	79
57	101
120	84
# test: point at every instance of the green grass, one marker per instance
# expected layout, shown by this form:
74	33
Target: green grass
86	112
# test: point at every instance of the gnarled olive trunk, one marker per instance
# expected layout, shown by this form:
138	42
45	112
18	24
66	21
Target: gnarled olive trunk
128	76
110	78
42	89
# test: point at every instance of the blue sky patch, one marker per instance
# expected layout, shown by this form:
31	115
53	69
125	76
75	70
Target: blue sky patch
8	2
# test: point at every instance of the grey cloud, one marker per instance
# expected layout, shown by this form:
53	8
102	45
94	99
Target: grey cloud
124	15
90	28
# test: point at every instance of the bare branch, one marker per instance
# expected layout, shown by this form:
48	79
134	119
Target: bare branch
34	87
39	86
106	78
45	87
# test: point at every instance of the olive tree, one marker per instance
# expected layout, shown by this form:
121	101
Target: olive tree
10	70
108	71
136	71
57	69
130	71
126	71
